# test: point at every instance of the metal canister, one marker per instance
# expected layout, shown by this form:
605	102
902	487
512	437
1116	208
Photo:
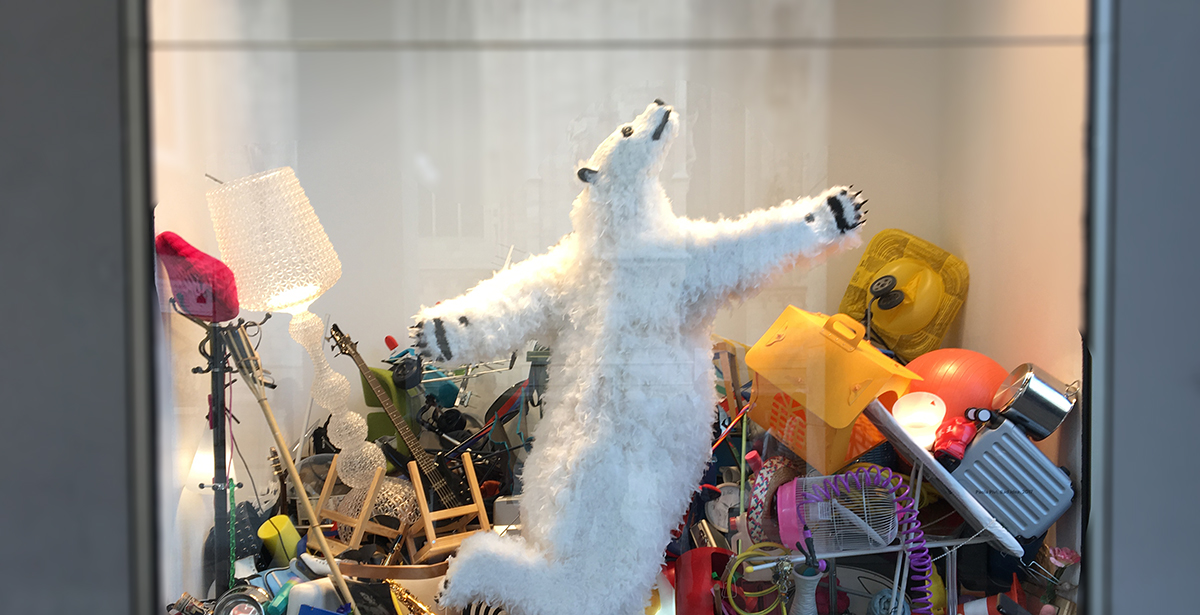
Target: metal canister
1034	400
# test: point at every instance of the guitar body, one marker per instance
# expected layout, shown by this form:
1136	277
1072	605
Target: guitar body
448	472
455	483
447	489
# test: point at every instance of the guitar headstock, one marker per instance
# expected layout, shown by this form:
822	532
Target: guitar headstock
276	465
342	344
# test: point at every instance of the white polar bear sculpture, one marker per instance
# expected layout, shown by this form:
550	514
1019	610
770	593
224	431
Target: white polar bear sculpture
627	302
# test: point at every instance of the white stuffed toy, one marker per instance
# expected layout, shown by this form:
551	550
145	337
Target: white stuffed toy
627	302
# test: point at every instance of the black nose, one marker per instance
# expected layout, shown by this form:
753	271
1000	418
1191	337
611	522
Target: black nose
659	102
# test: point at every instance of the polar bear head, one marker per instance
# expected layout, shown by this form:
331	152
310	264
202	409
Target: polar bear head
634	152
623	193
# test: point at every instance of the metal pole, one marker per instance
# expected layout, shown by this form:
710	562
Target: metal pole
833	591
221	525
952	581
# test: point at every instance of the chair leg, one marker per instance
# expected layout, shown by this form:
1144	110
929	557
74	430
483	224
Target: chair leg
367	507
327	489
473	483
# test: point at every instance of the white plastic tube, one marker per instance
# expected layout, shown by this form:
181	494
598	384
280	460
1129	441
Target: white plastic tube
805	600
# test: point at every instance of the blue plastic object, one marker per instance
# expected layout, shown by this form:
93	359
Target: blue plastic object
278	604
312	610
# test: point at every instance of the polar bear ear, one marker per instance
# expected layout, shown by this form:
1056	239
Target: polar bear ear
587	175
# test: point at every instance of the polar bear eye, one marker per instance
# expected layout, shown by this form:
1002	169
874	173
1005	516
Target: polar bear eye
627	131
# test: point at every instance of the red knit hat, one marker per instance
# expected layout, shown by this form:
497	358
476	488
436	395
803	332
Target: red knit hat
203	286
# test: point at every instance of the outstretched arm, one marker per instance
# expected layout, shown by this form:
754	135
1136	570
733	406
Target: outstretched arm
497	316
733	257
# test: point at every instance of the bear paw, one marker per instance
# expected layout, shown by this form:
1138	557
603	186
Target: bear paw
844	207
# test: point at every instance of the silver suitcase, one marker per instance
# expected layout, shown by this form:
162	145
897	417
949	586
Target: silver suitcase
1014	481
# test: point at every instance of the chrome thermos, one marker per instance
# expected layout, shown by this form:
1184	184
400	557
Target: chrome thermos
1036	401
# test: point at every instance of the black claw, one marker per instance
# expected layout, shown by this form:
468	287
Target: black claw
866	211
857	193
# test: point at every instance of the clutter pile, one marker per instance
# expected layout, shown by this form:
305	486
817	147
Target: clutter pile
840	464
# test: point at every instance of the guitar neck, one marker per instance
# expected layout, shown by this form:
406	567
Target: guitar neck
424	461
281	507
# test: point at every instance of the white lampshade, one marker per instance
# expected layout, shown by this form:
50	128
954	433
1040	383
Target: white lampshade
282	261
920	414
271	238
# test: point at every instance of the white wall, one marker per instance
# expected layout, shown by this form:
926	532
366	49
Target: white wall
1013	198
426	164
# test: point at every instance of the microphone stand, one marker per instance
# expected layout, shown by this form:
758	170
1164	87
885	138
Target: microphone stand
232	341
217	367
246	359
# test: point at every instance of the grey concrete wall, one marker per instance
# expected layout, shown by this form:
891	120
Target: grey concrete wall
1142	530
76	517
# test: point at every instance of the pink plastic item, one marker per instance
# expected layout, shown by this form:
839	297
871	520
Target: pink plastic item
790	531
754	460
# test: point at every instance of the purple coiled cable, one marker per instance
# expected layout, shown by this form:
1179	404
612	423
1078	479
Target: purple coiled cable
909	528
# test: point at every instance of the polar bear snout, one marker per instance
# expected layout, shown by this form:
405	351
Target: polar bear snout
662	123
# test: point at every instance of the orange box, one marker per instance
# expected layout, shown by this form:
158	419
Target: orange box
814	375
825	448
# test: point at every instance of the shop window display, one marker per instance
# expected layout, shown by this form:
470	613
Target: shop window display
643	360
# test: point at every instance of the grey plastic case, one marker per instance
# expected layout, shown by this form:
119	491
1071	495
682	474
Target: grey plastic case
1014	481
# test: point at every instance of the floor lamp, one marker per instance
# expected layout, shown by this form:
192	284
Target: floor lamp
271	238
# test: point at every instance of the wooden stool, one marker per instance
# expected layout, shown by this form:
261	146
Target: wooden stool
362	524
444	540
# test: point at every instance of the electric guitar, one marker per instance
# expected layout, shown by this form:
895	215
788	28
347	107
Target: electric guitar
450	488
281	507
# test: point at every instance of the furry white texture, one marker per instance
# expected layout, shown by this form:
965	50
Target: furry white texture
627	302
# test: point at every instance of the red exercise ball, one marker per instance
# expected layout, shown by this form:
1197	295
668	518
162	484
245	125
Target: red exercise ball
962	378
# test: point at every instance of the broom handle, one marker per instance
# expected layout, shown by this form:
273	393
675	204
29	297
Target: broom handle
302	495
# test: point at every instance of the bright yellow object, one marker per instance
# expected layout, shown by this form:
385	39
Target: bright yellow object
820	445
824	364
755	550
814	376
934	283
281	537
923	294
404	602
655	602
937	594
